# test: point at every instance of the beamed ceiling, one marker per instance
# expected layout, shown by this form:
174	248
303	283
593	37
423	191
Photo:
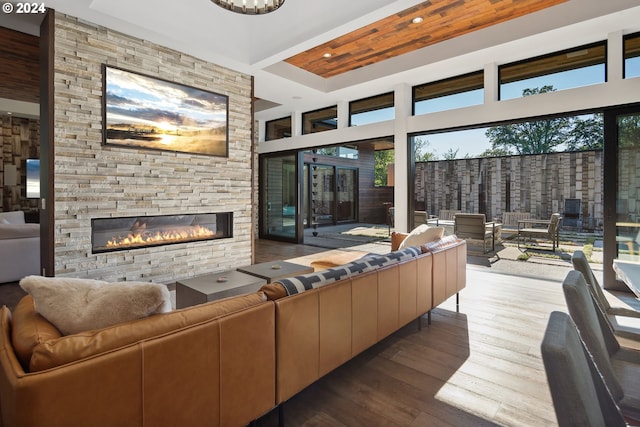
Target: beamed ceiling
398	34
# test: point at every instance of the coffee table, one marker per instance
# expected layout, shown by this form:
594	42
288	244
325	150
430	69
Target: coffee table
210	287
274	270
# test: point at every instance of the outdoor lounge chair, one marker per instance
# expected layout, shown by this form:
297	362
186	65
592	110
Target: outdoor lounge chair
550	232
580	396
475	227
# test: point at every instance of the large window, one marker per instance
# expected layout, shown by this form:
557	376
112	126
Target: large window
582	66
455	92
371	110
277	129
632	56
320	120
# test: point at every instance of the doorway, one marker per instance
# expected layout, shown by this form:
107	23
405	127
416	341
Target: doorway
330	195
279	198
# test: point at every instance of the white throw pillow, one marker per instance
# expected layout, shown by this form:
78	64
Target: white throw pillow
76	305
422	234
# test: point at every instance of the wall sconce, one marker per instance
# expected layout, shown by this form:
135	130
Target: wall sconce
10	175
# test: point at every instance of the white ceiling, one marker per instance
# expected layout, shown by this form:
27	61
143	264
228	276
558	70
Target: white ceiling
257	45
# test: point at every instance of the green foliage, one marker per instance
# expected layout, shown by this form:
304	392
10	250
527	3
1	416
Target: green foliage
451	154
495	152
382	158
629	130
544	136
421	150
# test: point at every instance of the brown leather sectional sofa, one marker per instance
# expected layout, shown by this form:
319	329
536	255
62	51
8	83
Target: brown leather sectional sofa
223	363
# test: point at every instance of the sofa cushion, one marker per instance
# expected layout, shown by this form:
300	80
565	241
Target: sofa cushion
422	234
19	231
28	329
442	243
336	259
274	291
396	239
75	305
13	217
69	348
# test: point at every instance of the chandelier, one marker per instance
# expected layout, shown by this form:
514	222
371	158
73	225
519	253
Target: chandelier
250	7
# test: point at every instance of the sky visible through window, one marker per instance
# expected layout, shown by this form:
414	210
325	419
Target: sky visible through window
473	142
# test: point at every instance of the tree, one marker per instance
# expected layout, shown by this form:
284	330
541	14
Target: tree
494	152
544	136
629	131
421	150
382	159
451	154
586	134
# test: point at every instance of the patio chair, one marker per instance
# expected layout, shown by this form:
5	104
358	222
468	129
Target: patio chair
550	232
474	227
619	366
580	396
447	214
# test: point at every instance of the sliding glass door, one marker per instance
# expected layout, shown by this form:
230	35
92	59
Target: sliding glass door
346	191
622	191
279	196
332	194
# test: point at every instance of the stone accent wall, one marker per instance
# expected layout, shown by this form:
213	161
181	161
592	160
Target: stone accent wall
19	141
92	180
628	204
538	184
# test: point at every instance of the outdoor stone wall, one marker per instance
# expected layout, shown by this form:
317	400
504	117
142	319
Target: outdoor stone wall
95	181
628	208
19	141
538	184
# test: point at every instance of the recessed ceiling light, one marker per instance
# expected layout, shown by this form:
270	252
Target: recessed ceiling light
327	55
417	19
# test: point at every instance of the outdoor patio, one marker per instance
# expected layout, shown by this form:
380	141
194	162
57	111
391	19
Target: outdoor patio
375	238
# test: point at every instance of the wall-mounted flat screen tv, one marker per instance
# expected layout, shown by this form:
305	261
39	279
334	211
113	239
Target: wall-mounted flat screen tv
33	178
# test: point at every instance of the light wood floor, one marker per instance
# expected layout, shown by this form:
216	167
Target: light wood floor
481	366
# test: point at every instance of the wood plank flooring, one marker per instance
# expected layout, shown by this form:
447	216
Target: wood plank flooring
478	367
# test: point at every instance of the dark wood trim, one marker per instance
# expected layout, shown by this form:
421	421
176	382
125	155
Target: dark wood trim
47	157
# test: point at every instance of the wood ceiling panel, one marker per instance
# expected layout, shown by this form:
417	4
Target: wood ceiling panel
19	66
397	34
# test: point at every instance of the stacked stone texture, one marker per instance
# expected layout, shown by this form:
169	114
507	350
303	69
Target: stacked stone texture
538	184
96	181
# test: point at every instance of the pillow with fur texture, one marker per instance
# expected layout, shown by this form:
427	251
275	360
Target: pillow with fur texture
76	305
422	234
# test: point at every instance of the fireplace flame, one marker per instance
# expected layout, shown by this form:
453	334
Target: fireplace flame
146	237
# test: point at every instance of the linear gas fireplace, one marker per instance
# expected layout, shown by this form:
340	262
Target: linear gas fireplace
124	233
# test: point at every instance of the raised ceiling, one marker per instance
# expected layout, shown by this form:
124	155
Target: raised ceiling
397	34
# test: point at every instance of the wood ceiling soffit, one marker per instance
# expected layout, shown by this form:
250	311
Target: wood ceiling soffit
19	66
396	34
